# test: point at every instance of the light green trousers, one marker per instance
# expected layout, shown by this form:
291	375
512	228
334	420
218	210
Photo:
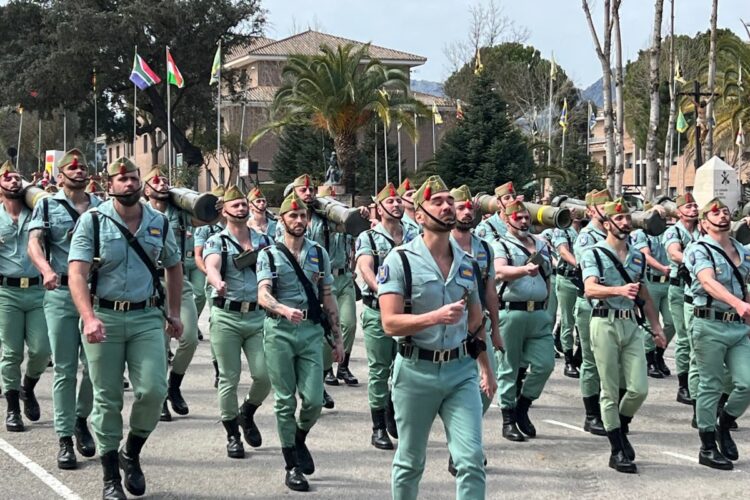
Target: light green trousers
198	282
552	299
567	293
188	343
233	333
660	295
343	290
589	379
135	338
381	351
67	349
682	345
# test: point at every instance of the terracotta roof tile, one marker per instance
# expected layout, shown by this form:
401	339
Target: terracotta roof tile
242	49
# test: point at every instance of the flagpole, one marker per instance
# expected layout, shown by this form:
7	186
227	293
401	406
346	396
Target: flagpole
679	135
20	129
376	157
433	136
169	122
398	130
549	126
385	151
135	112
65	129
96	123
415	142
218	115
39	148
588	132
242	134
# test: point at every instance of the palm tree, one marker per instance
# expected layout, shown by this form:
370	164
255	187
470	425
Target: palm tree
340	91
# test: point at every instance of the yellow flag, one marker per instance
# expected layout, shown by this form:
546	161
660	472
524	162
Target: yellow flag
478	66
436	115
553	69
678	72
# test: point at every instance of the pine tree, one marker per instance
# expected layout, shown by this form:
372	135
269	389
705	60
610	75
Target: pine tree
484	150
302	149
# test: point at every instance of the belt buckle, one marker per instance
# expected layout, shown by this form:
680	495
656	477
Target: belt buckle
727	316
408	350
663	279
244	307
530	306
304	314
122	305
441	356
24	283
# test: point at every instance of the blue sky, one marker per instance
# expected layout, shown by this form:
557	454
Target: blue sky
424	27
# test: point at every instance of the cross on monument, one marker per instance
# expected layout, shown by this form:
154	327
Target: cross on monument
701	121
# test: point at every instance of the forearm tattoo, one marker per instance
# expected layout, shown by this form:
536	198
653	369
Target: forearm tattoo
269	302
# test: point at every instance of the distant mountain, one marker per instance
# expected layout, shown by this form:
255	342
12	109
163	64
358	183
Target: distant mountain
428	87
593	93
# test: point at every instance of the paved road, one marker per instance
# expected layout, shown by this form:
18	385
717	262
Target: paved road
186	458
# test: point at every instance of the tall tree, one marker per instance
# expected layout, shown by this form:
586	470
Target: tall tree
619	102
668	143
652	167
484	150
301	150
709	146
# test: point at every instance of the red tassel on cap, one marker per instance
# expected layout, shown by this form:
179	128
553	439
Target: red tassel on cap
715	208
392	191
157	180
6	175
294	205
427	193
307	182
407	186
74	163
514	216
123	169
510	186
469	205
618	208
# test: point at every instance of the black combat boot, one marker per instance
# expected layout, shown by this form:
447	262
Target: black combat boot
380	439
66	457
724	437
84	441
247	422
343	373
660	363
510	430
390	418
593	421
683	393
627	448
578	353
522	417
329	378
166	415
328	402
618	460
558	341
130	463
112	481
520	377
710	455
306	464
216	373
694	421
651	366
294	480
570	368
30	404
234	440
174	395
722	401
451	466
13	420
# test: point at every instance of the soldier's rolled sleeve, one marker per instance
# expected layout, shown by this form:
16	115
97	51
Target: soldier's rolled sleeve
391	276
170	254
640	241
328	279
559	239
500	251
213	246
37	218
588	265
363	246
696	259
670	236
82	243
263	267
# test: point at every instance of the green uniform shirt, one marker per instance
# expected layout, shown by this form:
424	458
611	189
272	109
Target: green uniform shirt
564	237
588	237
383	245
122	274
289	289
339	244
61	226
203	233
678	234
408	221
608	274
697	259
485	258
430	291
242	284
491	228
271	227
14	238
526	288
179	221
640	240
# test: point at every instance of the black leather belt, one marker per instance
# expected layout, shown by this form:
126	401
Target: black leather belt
64	280
407	351
567	274
19	282
339	272
688	300
371	302
675	282
603	312
232	305
189	254
655	278
724	317
277	316
528	306
126	305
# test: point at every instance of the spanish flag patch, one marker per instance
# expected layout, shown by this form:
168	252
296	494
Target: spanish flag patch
467	272
154	231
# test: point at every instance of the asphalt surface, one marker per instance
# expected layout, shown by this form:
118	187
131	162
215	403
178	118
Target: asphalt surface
186	458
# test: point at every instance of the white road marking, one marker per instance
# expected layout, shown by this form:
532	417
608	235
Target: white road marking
36	469
567	426
681	456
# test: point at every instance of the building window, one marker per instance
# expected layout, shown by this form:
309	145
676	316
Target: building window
118	152
145	143
221	175
208	180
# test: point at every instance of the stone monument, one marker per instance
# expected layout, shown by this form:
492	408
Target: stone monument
717	179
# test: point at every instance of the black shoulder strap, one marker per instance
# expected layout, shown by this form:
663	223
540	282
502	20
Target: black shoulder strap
618	265
407	280
274	274
494	230
225	252
735	270
183	230
481	282
97	258
313	302
375	253
679	237
487	252
504	284
527	254
46	225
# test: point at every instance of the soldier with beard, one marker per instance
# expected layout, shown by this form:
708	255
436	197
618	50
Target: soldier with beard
429	297
122	242
260	219
616	337
719	267
493	228
237	320
156	190
371	250
51	229
406	192
22	319
294	283
522	270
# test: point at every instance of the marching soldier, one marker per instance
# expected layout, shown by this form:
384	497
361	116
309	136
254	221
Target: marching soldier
522	272
428	296
657	282
260	219
719	267
494	227
589	236
676	240
406	191
156	190
294	283
371	250
22	319
122	242
567	291
49	243
237	320
613	274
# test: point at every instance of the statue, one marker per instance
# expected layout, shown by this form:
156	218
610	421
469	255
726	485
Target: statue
333	174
